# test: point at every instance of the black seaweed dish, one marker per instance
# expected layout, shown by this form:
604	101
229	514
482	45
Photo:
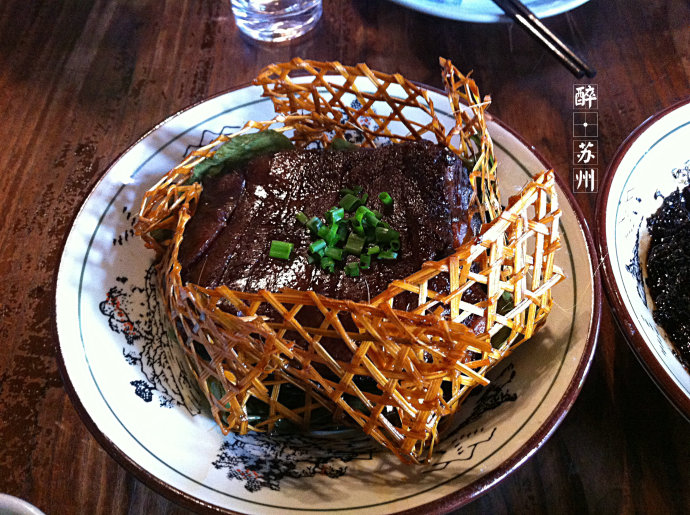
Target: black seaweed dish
668	269
607	201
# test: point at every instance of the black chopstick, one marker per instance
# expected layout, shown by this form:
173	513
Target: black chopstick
520	14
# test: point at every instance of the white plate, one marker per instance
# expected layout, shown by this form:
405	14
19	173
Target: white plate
653	162
10	505
485	11
123	373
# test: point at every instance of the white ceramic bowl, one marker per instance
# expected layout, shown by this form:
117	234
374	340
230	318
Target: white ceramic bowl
651	163
122	370
485	11
10	505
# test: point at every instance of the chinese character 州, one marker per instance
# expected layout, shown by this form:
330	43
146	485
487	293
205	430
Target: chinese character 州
585	179
585	96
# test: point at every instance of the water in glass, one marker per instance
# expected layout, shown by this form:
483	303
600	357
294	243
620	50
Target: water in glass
276	20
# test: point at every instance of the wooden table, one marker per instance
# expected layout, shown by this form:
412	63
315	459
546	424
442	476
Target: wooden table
81	80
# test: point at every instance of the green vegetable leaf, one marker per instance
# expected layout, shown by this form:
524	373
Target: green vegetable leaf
240	150
342	144
504	305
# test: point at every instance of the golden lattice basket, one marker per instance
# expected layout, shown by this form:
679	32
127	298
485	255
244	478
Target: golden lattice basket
417	358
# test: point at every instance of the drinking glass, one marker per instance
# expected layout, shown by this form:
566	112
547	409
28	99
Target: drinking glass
276	20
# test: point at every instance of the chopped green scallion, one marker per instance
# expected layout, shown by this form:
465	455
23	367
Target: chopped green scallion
331	236
386	199
280	249
363	234
335	214
343	232
386	235
357	226
349	202
334	253
323	231
328	264
352	269
317	246
354	244
370	234
387	254
314	225
371	219
301	217
361	212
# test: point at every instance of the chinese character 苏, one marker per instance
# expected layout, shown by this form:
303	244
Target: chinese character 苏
585	154
585	96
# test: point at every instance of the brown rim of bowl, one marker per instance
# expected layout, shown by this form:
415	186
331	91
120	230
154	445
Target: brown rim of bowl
636	342
438	506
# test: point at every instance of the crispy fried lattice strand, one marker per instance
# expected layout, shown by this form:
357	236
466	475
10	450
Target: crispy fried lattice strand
408	369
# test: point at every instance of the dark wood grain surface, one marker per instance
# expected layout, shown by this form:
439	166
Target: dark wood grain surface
81	80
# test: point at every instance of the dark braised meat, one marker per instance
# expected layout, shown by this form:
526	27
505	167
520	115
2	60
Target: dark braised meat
668	269
227	240
219	200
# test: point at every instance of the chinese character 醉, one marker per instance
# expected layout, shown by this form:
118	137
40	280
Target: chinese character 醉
585	96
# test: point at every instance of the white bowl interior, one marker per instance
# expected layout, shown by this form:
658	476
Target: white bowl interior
656	164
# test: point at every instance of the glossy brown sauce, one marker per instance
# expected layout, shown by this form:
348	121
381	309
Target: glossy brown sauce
227	240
